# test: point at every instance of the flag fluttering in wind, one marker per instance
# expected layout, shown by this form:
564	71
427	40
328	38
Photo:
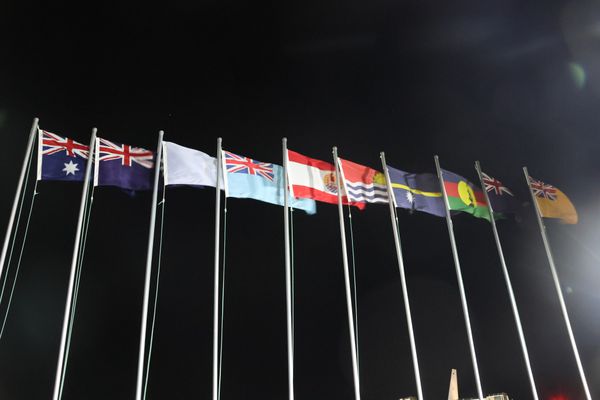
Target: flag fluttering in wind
419	192
123	166
314	179
60	158
185	166
363	184
465	196
552	202
248	178
502	199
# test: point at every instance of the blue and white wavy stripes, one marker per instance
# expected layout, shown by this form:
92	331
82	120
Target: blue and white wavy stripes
370	193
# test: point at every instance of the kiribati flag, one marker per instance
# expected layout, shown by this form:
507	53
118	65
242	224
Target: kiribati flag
59	158
123	166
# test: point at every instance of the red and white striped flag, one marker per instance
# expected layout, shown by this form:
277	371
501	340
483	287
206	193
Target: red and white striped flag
314	179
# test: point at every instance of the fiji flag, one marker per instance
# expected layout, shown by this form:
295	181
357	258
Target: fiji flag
248	178
60	159
123	166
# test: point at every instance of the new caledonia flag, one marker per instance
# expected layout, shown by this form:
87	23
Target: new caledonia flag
464	196
60	158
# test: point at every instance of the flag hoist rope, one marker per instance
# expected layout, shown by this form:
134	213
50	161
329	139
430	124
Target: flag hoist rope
396	230
75	262
12	236
157	283
86	224
354	286
461	287
509	288
18	195
142	351
349	307
561	299
14	283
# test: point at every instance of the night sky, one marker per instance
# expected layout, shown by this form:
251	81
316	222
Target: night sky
509	83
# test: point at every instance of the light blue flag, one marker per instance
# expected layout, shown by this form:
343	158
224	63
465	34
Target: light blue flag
248	178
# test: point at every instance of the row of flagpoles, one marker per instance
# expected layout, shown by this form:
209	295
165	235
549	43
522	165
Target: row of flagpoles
295	185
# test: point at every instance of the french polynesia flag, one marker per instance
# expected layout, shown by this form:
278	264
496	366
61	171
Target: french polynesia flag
314	179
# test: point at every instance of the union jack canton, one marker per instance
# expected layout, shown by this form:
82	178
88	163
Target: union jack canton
244	165
542	190
60	158
123	165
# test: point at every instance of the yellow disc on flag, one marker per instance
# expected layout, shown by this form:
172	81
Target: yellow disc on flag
466	194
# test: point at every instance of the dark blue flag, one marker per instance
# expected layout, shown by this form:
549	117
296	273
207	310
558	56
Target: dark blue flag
124	166
419	192
60	159
502	200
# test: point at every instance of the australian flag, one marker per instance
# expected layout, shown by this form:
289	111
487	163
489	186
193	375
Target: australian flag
60	159
122	165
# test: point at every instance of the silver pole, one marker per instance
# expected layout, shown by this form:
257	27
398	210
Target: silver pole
461	287
395	228
215	390
288	274
561	299
13	212
353	347
67	317
141	357
511	294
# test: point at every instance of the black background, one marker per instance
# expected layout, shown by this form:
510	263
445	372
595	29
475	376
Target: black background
509	83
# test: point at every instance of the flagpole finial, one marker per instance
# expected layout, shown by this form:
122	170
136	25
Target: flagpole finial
284	141
381	154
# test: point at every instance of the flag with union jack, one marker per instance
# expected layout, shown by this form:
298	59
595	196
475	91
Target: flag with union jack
248	178
502	199
60	158
122	165
553	203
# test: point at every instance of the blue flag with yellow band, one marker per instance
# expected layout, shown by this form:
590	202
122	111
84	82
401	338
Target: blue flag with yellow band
420	192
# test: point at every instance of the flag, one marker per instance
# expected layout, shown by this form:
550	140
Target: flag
314	179
502	200
122	165
185	166
552	202
419	192
363	184
248	178
465	196
60	159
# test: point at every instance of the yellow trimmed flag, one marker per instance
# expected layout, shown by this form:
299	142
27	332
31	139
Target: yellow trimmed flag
552	202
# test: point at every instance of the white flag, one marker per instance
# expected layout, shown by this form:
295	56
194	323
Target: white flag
185	166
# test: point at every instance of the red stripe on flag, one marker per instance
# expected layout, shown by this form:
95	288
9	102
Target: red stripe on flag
300	159
305	192
452	191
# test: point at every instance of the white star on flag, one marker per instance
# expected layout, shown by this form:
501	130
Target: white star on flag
70	168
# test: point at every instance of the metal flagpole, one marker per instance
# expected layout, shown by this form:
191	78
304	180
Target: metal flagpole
288	274
561	299
353	347
511	294
463	297
140	372
394	219
215	391
74	263
13	212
